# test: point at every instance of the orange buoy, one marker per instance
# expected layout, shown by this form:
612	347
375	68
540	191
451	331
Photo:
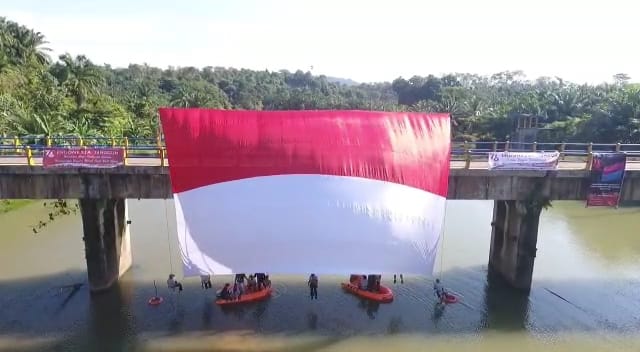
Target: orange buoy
154	301
449	298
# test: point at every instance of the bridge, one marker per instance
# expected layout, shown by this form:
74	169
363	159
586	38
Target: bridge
102	194
146	174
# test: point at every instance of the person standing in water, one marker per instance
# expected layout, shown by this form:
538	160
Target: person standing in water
205	281
439	290
313	286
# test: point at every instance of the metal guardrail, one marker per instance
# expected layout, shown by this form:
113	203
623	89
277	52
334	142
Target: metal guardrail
573	152
34	146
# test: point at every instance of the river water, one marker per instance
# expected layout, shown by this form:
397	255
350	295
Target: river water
585	295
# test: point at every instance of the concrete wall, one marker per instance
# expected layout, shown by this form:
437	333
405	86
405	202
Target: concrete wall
35	182
514	236
106	240
25	182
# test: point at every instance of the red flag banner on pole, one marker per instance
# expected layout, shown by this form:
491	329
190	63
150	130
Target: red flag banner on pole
290	192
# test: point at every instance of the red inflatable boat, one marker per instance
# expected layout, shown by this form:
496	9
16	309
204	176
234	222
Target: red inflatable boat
247	297
384	295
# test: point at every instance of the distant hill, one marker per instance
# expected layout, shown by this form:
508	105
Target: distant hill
345	81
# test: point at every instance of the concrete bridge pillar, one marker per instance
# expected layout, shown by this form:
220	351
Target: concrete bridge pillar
106	241
513	241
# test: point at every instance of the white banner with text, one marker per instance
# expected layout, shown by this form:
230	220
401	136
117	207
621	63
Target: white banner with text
524	160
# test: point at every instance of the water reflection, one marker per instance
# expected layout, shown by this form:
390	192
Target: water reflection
603	305
438	312
312	321
207	312
111	324
238	311
69	291
610	233
370	307
395	325
504	308
259	313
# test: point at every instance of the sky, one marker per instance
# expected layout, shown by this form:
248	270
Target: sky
582	41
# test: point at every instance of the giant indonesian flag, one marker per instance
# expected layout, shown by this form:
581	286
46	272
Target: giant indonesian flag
291	192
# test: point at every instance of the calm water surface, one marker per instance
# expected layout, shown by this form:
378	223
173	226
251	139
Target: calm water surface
585	296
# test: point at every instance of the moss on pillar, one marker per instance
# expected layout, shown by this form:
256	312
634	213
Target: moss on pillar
538	199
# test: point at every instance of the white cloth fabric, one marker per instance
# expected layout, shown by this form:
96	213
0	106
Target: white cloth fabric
308	223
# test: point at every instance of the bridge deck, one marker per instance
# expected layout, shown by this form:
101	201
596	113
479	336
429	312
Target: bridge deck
144	178
455	164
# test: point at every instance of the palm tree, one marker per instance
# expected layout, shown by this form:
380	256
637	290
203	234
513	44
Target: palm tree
81	127
31	47
15	118
80	77
22	45
139	128
183	98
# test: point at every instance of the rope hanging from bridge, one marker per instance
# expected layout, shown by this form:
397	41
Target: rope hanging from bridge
166	217
443	233
448	297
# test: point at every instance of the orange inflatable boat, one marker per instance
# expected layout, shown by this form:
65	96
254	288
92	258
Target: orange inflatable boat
384	295
247	297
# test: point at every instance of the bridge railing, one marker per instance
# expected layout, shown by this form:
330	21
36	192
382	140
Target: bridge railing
32	147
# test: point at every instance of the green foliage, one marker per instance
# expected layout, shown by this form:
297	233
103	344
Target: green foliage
537	200
73	96
10	205
57	208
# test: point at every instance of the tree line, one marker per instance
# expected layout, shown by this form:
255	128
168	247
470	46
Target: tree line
73	96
